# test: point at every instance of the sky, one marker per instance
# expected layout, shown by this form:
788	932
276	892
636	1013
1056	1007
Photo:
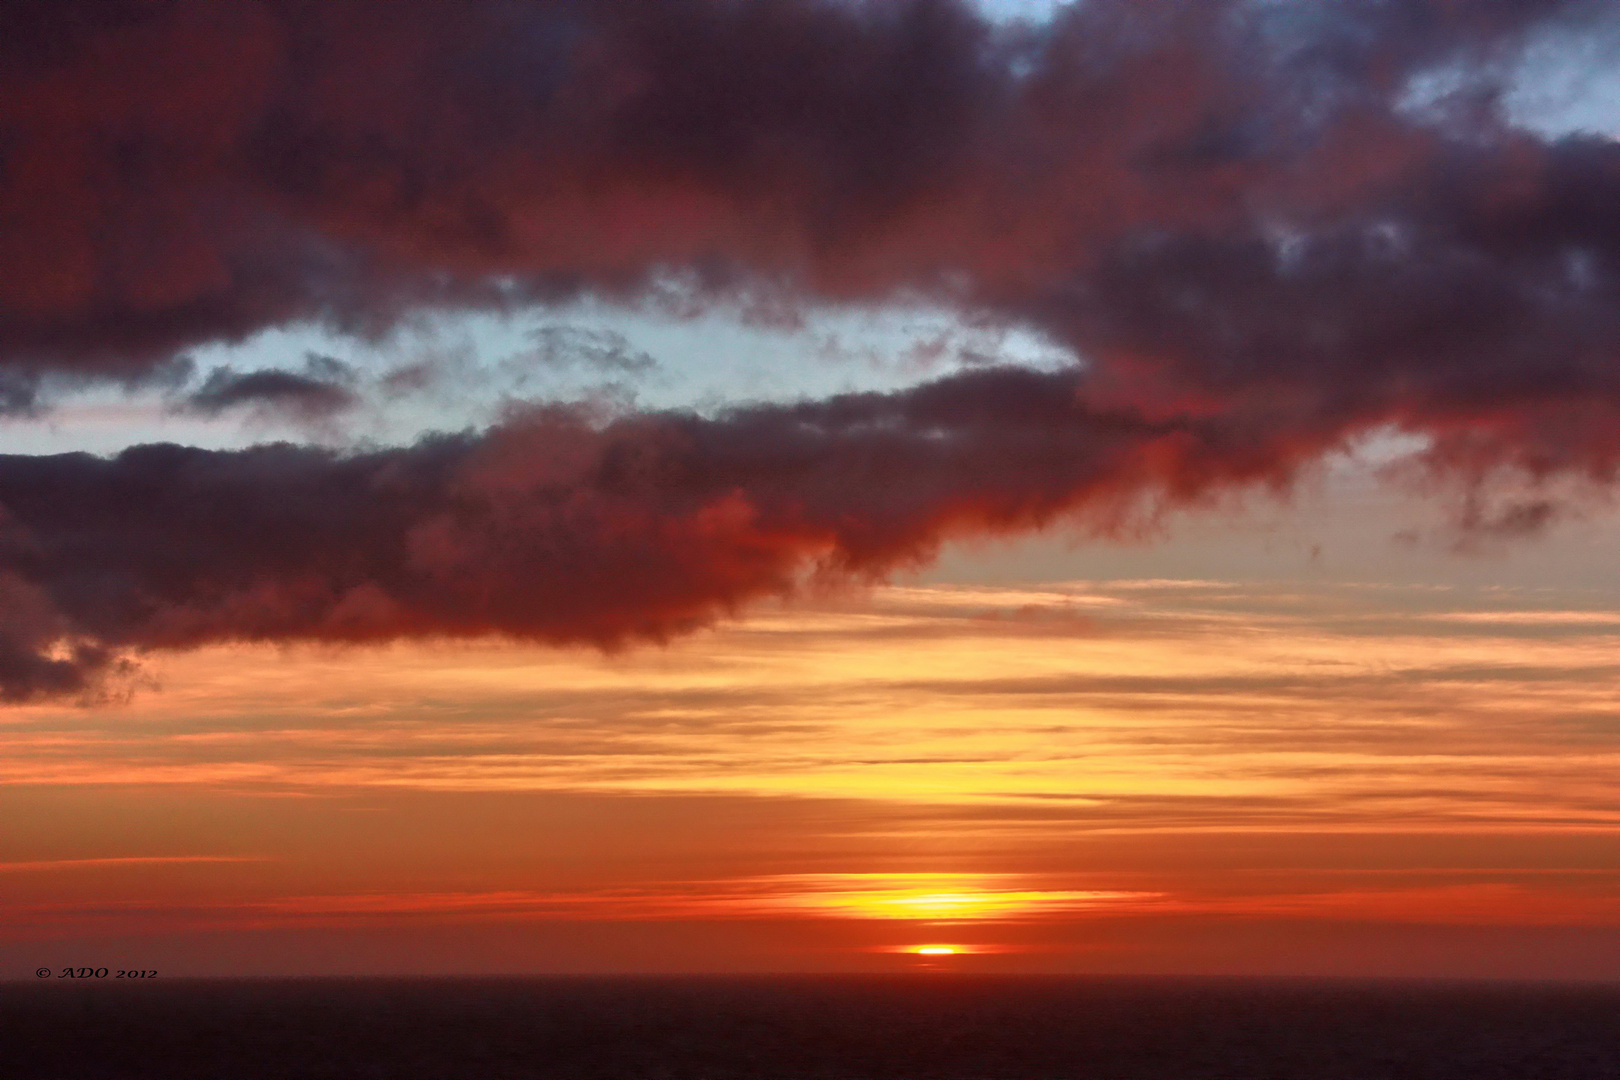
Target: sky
810	485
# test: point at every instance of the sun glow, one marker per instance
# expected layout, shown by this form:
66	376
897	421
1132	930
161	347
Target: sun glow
938	897
935	950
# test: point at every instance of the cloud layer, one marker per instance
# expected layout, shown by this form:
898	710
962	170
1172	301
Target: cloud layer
1246	219
559	527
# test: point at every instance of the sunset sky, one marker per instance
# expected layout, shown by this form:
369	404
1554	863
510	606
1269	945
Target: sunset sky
508	486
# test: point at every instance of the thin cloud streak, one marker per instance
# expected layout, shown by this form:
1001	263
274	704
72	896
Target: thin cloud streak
1273	708
973	908
120	861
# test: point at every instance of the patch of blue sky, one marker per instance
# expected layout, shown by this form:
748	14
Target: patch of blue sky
1020	10
1568	82
1564	81
450	372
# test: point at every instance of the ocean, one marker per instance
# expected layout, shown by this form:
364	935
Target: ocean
928	1027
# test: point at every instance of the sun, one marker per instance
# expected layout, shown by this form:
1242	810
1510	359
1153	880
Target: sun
935	950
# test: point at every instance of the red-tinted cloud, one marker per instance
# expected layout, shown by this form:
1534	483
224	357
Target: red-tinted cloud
551	528
1236	213
177	173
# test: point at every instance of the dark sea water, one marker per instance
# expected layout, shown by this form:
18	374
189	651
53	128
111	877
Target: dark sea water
910	1028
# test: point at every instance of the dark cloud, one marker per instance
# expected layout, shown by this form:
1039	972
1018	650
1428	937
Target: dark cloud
177	173
1215	200
321	389
20	395
1240	215
554	528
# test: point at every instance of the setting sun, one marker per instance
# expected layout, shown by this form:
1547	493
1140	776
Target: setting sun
934	950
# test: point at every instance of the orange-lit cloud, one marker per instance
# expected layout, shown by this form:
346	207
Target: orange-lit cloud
930	898
943	898
1189	753
1169	706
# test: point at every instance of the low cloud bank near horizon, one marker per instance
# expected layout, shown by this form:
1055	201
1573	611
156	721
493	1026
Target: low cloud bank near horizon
1266	230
